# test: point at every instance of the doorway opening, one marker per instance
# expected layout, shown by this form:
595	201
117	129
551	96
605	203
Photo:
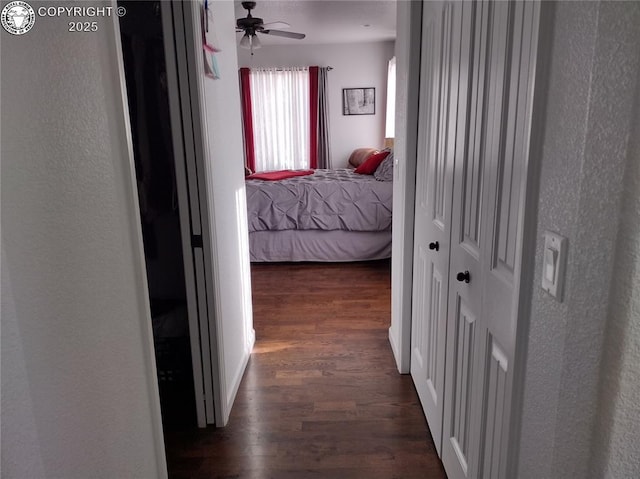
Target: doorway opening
148	102
333	217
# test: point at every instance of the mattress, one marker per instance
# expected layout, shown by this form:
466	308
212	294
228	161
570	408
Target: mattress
328	200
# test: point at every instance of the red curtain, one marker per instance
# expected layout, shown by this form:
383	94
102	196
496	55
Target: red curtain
247	119
313	110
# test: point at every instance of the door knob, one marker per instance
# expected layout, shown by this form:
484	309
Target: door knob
463	277
434	245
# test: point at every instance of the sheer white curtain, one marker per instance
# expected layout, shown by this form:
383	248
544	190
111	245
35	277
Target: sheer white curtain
280	112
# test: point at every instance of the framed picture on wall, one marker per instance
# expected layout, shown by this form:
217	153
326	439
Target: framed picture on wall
358	101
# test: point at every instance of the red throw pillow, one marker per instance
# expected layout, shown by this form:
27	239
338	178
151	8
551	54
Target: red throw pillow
372	163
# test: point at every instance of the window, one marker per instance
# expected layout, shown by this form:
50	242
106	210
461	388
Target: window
390	126
280	112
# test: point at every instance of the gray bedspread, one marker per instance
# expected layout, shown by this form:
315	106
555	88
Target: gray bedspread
326	200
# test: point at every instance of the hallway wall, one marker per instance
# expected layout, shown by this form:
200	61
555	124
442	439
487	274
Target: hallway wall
617	432
79	388
593	73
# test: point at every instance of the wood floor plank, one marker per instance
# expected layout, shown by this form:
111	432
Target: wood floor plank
321	397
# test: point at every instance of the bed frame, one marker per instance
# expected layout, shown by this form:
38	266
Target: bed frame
319	246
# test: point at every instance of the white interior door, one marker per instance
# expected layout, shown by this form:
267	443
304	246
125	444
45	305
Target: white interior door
489	184
433	206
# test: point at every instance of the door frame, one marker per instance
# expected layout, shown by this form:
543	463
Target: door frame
403	225
193	216
225	383
542	39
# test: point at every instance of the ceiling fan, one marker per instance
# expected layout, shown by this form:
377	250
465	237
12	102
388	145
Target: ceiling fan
251	26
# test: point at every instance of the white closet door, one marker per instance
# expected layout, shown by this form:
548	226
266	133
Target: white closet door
507	158
465	287
489	185
434	186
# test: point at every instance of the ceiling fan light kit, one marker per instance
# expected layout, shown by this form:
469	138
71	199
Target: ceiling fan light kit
251	26
250	42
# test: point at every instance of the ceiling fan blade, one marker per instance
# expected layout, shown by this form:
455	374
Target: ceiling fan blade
280	33
271	25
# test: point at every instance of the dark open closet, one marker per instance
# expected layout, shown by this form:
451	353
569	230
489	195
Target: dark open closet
146	81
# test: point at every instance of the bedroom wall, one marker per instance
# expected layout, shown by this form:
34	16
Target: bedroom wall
593	75
79	390
354	65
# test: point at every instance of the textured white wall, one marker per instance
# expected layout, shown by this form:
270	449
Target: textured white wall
593	69
354	65
224	152
615	449
79	394
617	434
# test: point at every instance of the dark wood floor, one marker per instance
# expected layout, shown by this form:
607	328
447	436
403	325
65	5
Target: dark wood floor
321	397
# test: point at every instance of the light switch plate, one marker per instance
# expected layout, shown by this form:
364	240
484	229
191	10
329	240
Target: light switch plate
554	260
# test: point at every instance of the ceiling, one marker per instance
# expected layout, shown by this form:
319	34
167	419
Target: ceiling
327	21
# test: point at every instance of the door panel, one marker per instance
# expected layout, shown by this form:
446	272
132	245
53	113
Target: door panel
429	281
464	303
496	369
461	382
502	163
432	221
473	168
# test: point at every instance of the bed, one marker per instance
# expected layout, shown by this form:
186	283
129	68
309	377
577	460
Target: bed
329	216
